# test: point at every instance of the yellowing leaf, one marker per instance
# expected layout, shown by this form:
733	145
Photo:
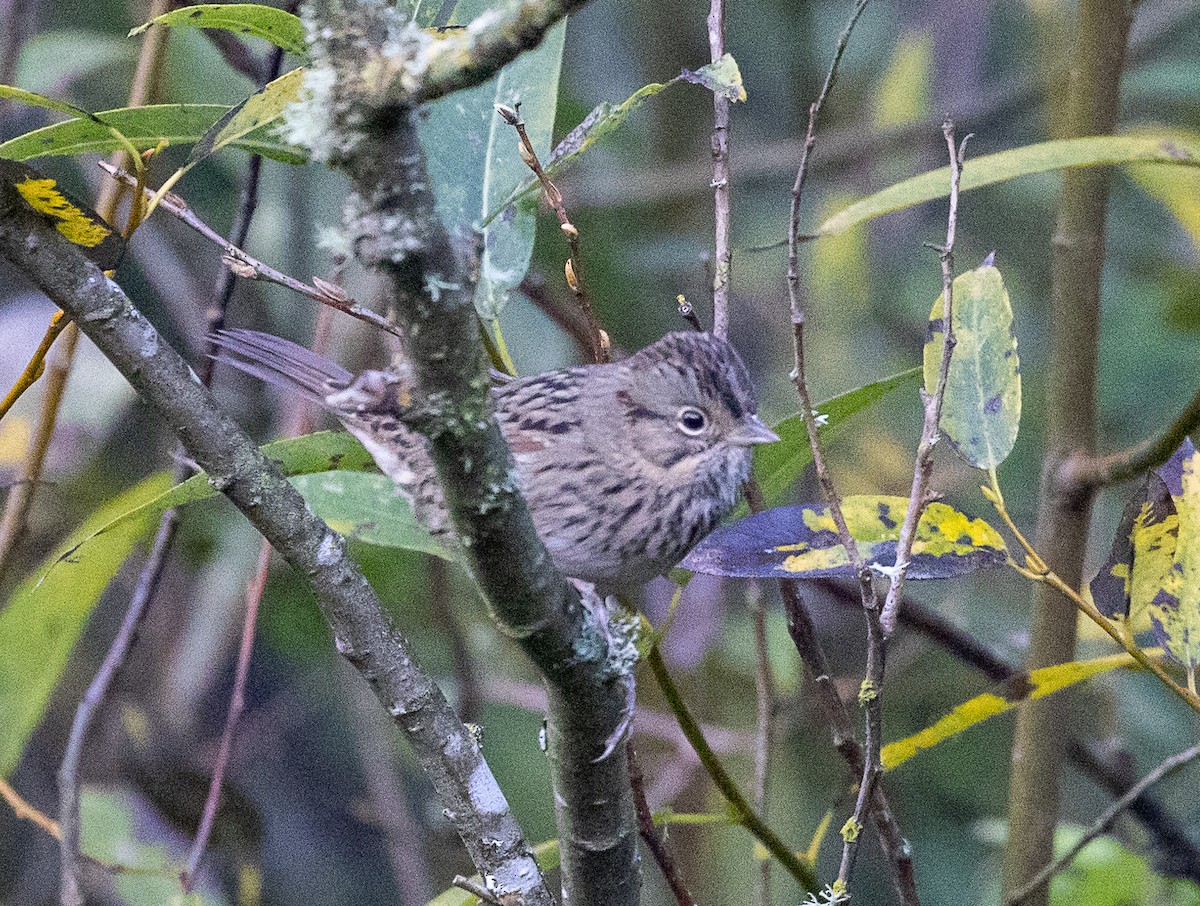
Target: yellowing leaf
801	542
43	196
1005	165
982	409
1175	607
721	78
1021	688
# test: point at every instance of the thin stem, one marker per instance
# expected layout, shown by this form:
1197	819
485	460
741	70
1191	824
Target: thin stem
237	704
20	498
36	366
654	839
764	697
1103	471
598	337
744	814
242	264
873	682
930	429
1165	769
723	252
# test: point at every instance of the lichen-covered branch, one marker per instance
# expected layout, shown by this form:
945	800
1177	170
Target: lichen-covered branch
446	749
394	229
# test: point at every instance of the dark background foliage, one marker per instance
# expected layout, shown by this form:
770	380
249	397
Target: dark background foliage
301	805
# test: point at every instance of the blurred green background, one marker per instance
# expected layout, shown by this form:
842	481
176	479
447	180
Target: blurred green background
313	812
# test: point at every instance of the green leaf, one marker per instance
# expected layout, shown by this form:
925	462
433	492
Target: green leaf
278	26
801	542
263	108
319	452
982	408
1106	873
474	163
777	466
722	78
1020	688
46	103
1175	608
1006	165
368	508
145	127
43	618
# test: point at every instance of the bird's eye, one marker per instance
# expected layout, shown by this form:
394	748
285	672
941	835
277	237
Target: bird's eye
691	421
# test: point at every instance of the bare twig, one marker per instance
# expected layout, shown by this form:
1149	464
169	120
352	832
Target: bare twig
869	695
1165	769
764	697
249	267
1101	471
722	251
932	402
237	704
476	890
654	839
598	338
34	370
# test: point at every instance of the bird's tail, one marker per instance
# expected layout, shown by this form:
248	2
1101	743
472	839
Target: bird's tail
281	362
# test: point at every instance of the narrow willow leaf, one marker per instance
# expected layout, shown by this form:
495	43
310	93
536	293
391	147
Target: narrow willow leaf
475	164
605	119
263	108
278	26
1178	190
799	542
777	466
44	617
1006	165
46	103
77	222
319	452
722	78
1021	688
982	409
367	508
1175	609
1142	558
144	127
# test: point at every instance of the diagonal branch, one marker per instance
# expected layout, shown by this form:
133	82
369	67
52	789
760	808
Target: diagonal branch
447	751
395	230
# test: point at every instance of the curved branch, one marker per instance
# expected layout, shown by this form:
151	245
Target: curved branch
446	750
1092	472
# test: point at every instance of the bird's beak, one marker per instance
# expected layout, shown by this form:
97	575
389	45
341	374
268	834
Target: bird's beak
752	430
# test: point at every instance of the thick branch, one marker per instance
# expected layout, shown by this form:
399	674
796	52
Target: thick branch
1039	744
396	231
447	750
